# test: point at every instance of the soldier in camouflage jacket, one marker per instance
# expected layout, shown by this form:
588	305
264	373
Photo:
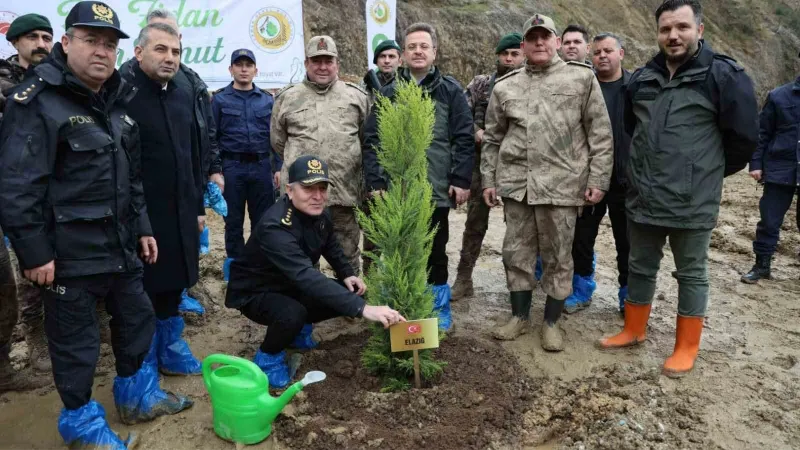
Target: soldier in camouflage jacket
547	151
324	116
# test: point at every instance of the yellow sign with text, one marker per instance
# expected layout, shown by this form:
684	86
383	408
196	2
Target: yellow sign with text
414	335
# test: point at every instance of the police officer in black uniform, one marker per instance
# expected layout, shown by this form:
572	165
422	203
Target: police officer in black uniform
275	283
71	201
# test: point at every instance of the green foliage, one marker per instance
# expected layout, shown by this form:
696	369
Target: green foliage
399	224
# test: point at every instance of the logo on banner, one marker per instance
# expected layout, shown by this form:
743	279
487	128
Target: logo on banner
272	29
380	12
6	49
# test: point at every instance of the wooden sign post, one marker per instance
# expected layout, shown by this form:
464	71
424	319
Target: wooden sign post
415	335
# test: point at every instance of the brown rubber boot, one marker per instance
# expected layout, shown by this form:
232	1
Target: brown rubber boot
513	329
520	312
552	340
687	344
634	332
38	354
462	287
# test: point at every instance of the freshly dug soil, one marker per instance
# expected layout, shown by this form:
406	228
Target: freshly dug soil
484	399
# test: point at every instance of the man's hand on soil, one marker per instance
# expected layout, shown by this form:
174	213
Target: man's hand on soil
383	314
42	275
355	284
479	136
276	180
756	174
149	249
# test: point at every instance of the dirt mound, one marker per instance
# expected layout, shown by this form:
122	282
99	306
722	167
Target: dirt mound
479	400
484	399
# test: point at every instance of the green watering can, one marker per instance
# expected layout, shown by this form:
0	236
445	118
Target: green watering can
239	390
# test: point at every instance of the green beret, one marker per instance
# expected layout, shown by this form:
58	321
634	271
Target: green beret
27	23
511	40
382	47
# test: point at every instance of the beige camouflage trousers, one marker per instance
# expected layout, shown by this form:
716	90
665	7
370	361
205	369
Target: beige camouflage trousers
348	233
544	229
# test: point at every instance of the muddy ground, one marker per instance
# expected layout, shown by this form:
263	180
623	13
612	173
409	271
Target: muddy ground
743	394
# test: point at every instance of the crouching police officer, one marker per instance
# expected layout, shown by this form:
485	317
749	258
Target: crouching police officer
275	282
72	203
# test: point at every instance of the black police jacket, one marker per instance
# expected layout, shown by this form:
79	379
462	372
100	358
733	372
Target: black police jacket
280	256
69	173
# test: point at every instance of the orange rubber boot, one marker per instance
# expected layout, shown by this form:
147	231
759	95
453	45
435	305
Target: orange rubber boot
687	344
636	317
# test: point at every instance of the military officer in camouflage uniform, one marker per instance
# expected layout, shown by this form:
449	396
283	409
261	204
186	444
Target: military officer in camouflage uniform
509	57
323	116
32	37
547	151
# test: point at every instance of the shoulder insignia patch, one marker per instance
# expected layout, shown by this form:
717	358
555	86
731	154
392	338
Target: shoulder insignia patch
508	75
287	218
284	89
582	64
356	86
24	92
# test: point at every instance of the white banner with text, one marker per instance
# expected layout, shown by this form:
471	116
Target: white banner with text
212	30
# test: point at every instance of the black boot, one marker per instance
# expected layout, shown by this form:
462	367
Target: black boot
760	270
520	312
552	341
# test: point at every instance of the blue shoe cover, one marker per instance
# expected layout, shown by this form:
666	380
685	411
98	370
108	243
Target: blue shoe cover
441	306
151	358
174	355
7	241
538	271
304	340
622	295
586	287
274	365
582	291
204	237
140	399
86	427
213	199
191	305
226	269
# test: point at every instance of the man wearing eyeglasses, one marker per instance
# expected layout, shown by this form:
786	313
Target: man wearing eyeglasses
72	204
32	37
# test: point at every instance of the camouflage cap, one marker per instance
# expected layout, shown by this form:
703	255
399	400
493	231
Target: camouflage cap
538	21
321	45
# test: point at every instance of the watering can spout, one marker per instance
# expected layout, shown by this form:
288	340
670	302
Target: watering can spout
275	405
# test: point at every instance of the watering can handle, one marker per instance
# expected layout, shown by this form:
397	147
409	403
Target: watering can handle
245	365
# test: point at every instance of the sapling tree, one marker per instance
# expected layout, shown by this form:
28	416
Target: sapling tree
399	225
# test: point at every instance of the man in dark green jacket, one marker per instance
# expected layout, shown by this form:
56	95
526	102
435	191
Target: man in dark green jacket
693	118
450	156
